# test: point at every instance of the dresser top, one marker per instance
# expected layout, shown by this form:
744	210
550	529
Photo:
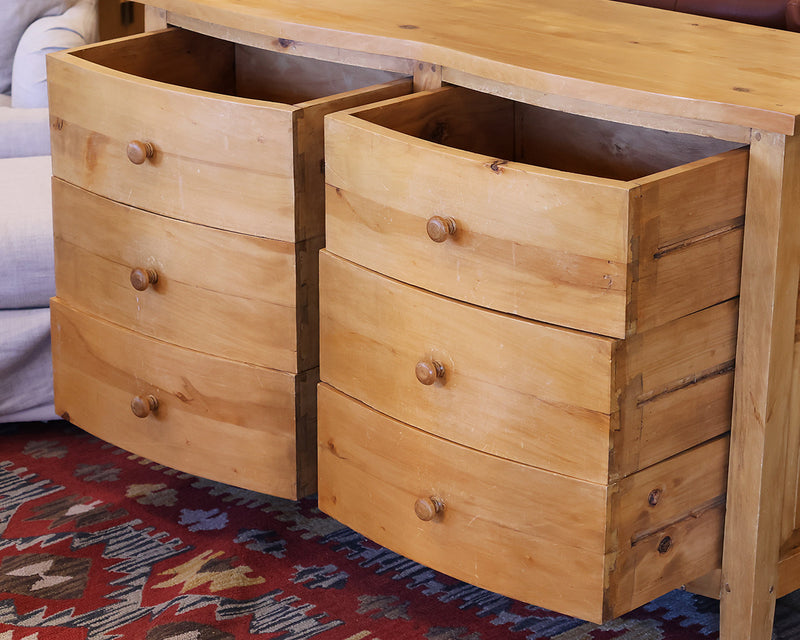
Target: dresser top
598	51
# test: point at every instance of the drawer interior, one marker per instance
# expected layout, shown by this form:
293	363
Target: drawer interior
195	61
513	131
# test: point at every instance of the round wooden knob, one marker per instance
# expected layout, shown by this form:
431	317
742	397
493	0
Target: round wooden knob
143	278
428	371
139	151
440	229
143	406
428	508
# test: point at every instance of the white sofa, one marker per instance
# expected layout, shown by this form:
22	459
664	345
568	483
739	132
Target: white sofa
29	29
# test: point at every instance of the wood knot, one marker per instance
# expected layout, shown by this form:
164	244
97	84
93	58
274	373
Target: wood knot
497	165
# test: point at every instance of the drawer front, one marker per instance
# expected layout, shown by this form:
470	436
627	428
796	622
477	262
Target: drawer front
422	189
215	291
587	550
525	241
516	530
537	394
170	134
235	423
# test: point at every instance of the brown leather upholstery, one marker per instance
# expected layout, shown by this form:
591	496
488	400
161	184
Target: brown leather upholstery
778	14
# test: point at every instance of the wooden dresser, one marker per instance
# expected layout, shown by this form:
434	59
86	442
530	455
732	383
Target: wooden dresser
558	281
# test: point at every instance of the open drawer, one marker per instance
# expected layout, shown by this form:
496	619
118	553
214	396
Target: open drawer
186	125
592	225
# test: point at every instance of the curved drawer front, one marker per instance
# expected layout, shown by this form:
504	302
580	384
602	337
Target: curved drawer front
489	201
588	550
179	125
506	527
215	291
215	418
521	390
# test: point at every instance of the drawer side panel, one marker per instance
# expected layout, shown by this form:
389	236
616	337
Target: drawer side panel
689	239
669	522
675	384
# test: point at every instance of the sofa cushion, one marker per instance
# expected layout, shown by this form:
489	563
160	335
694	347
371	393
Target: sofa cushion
15	17
23	132
26	370
77	26
26	233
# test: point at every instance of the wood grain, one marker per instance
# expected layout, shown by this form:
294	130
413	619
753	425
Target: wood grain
584	549
561	400
517	389
674	387
573	231
668	520
762	393
527	242
570	49
219	292
373	469
212	147
216	418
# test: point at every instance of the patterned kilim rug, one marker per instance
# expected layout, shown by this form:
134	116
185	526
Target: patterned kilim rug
98	543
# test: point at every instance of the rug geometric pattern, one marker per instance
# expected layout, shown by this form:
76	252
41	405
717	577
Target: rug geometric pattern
99	544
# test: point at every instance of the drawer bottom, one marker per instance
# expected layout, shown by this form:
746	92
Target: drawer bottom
236	423
588	550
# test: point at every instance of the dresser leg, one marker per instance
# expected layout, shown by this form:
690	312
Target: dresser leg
760	428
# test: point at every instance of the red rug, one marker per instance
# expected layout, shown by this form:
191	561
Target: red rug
96	543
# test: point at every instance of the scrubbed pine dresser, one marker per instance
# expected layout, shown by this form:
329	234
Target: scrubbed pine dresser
521	279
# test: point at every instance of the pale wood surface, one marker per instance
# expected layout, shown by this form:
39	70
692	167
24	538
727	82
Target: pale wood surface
219	292
571	402
790	518
309	126
387	184
761	408
511	387
543	526
689	510
212	148
580	548
590	50
600	110
216	418
579	56
675	387
403	66
689	238
155	18
538	233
